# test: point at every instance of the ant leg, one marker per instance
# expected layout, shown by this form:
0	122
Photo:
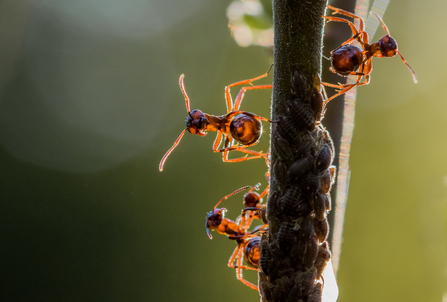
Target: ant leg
255	154
227	89
348	14
239	271
356	34
217	141
353	29
240	96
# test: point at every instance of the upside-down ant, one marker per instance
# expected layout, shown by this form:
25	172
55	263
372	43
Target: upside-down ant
243	127
347	58
248	243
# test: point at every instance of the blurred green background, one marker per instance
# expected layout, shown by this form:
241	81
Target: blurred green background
89	103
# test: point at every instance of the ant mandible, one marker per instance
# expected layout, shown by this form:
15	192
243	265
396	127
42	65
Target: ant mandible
248	243
347	58
244	127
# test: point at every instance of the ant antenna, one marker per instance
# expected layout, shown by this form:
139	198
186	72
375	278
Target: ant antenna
182	88
415	79
163	160
383	23
229	195
325	57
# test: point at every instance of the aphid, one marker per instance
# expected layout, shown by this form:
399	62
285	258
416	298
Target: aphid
287	130
310	254
247	245
280	172
324	158
291	198
316	294
321	229
299	168
316	103
326	182
303	117
243	127
298	85
323	257
319	205
265	261
283	149
285	235
347	58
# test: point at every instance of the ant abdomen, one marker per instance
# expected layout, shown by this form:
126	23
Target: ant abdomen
346	59
246	129
253	252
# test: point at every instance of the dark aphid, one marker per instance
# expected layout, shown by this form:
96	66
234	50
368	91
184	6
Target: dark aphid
307	229
302	115
328	140
324	158
272	204
310	254
285	235
323	257
290	199
319	205
295	293
287	130
266	258
283	149
321	229
326	182
316	103
298	85
267	290
316	294
311	184
280	172
299	168
303	208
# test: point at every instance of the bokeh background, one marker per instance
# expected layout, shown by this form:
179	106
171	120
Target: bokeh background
89	103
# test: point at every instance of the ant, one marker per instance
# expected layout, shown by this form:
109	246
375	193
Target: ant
248	243
347	58
242	126
254	208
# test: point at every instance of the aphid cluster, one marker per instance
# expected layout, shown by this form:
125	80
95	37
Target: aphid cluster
295	251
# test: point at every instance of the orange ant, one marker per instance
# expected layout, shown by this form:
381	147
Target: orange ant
248	243
347	58
254	208
242	126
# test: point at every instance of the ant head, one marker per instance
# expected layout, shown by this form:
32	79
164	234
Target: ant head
388	46
196	122
214	219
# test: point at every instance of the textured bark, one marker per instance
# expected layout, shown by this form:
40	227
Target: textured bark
295	251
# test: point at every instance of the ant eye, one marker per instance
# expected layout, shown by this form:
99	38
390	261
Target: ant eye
388	46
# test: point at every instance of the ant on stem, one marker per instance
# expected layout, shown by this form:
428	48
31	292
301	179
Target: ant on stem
248	243
347	58
243	127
